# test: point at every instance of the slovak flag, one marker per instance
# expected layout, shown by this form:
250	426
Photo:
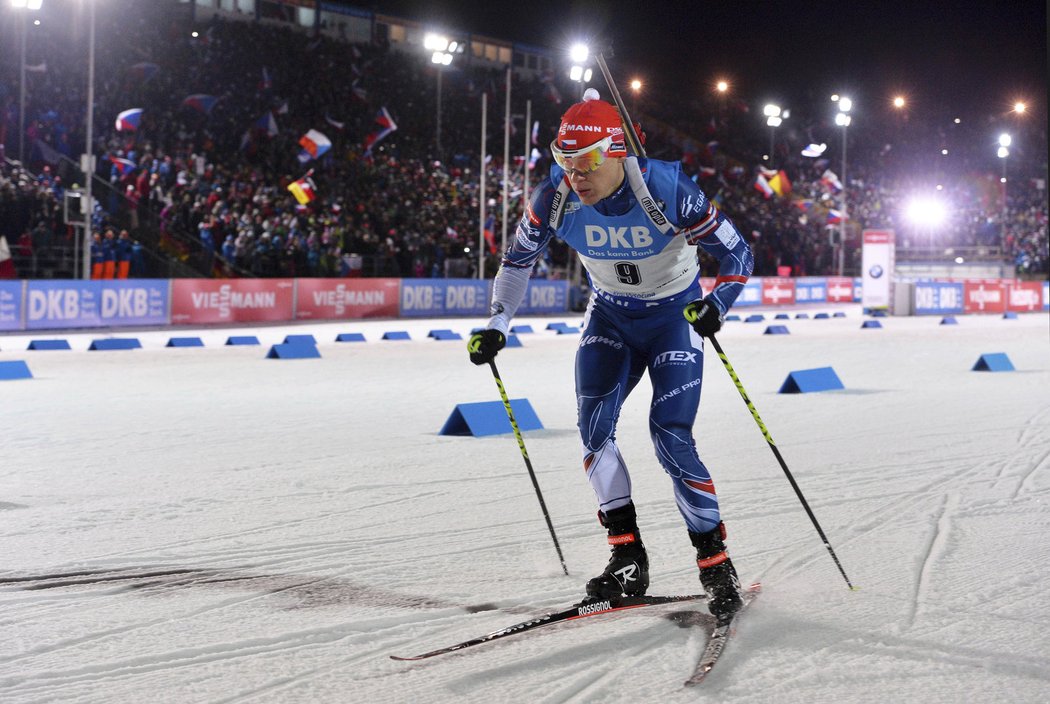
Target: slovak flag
314	145
128	121
201	102
385	124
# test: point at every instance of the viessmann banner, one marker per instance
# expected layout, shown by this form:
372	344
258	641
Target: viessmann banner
199	301
346	299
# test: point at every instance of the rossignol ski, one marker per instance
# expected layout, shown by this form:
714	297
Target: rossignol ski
716	642
582	610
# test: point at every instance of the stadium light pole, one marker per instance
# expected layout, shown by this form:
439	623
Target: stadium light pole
1004	153
88	160
23	21
773	119
440	48
843	119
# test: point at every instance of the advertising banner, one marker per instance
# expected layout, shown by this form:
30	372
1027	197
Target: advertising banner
133	302
437	297
1046	295
52	305
811	290
984	297
777	291
840	289
544	296
935	297
877	268
196	301
1024	296
752	293
346	299
11	305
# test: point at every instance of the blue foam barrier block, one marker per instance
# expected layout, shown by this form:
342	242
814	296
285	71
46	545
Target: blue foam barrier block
871	324
350	337
568	331
242	340
396	335
116	343
293	350
802	316
840	314
875	314
15	369
520	329
300	340
993	362
49	345
821	316
513	341
490	418
1009	315
777	330
185	342
732	317
806	381
756	318
782	316
556	326
444	335
949	320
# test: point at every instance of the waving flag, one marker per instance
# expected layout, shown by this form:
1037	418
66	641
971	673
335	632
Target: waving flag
385	125
128	121
780	184
536	133
123	166
304	188
830	180
200	102
490	234
762	186
834	217
267	82
334	123
266	124
814	150
314	145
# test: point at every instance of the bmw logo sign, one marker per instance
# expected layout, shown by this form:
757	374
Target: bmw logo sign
875	271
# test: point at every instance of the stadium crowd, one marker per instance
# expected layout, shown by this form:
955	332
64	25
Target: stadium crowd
202	179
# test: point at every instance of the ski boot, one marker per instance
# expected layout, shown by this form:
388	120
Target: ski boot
716	573
628	568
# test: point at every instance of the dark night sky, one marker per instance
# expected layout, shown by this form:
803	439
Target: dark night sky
959	56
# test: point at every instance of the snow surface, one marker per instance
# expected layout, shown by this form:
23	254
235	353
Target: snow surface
208	525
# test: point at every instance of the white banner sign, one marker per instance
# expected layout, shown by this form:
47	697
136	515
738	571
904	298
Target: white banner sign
877	265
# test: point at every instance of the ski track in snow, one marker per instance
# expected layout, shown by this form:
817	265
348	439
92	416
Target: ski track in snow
269	531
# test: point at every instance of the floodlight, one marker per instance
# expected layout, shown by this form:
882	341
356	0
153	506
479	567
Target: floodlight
771	110
1004	140
926	211
435	42
579	53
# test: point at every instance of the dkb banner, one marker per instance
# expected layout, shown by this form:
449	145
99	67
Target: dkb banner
10	305
545	297
426	298
86	304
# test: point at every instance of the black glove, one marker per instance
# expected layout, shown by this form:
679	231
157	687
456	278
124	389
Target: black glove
484	345
705	317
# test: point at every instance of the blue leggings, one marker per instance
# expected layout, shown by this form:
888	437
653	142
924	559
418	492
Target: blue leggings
616	348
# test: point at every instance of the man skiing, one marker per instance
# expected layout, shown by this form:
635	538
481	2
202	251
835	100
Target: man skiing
635	224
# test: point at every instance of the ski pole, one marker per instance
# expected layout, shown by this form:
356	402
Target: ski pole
780	458
528	462
636	145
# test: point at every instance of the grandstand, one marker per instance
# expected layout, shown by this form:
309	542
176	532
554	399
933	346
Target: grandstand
228	88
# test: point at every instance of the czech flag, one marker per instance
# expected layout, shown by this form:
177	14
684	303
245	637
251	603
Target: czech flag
304	188
314	145
201	102
834	217
762	186
267	123
123	166
386	125
128	121
814	150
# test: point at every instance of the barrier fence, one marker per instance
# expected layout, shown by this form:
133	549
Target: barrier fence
62	304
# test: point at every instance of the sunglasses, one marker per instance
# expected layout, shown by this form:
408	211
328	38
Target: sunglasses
585	160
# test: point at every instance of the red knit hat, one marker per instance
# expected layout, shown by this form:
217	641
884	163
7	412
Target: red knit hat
591	121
